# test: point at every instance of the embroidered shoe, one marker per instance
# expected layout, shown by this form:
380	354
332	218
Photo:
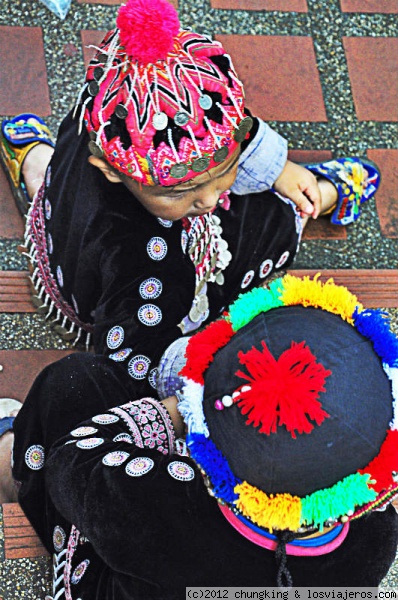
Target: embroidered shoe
18	136
8	409
347	175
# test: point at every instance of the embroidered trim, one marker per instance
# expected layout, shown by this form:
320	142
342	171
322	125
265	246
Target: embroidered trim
48	297
82	431
115	458
115	337
157	248
139	466
34	457
59	538
89	443
138	366
149	423
121	355
123	437
266	268
180	470
79	571
151	288
150	315
105	419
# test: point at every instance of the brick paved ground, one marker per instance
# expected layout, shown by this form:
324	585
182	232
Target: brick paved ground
323	72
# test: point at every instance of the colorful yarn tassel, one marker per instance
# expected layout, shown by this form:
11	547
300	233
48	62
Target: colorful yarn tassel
283	391
281	511
338	500
328	296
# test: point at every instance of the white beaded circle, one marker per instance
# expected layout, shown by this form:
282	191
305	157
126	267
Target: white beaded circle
139	466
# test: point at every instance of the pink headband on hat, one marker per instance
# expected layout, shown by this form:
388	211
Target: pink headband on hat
161	104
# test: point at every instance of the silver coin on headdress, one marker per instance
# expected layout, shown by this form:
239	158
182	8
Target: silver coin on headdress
220	154
200	164
160	121
95	149
181	118
205	102
93	88
243	128
179	170
121	111
98	73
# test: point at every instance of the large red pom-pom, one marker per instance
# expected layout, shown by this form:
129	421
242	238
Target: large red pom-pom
147	29
283	391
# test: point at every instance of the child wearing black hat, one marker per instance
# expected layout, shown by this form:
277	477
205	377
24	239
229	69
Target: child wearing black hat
284	476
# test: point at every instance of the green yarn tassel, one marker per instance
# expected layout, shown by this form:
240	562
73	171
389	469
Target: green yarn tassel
254	302
336	501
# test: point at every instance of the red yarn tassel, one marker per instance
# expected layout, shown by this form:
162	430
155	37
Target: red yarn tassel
200	354
283	391
385	463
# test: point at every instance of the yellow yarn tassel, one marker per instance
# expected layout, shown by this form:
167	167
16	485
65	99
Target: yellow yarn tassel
280	511
328	296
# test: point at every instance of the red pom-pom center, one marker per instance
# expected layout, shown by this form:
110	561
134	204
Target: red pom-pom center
284	391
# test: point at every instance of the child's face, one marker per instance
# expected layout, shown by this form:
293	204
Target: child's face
191	198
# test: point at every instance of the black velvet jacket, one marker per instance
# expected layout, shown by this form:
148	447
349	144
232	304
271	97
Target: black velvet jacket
96	249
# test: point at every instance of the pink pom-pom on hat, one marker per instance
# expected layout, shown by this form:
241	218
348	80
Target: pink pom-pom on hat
147	29
161	104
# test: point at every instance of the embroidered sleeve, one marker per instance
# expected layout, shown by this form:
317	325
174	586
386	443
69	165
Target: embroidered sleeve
116	476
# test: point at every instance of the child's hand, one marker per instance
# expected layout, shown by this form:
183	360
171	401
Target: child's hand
301	187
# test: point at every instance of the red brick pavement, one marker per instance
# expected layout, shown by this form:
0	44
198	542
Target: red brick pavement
280	76
23	80
373	70
370	6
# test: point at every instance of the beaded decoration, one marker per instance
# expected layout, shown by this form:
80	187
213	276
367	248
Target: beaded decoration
369	488
162	104
210	256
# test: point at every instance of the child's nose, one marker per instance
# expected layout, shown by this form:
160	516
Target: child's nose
206	200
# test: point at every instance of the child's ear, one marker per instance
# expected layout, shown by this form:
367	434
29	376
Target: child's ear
110	173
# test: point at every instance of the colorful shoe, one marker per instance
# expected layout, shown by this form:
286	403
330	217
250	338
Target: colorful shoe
347	175
18	136
8	408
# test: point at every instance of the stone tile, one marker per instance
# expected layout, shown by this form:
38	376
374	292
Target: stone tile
373	71
11	224
90	37
23	81
370	6
280	75
20	368
321	228
282	5
387	197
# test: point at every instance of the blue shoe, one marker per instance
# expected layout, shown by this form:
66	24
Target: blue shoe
8	406
6	424
347	175
17	137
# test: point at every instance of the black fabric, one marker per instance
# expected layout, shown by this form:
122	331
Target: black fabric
100	233
149	537
357	399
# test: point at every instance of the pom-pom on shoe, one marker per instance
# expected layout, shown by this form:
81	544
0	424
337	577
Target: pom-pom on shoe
348	176
18	136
